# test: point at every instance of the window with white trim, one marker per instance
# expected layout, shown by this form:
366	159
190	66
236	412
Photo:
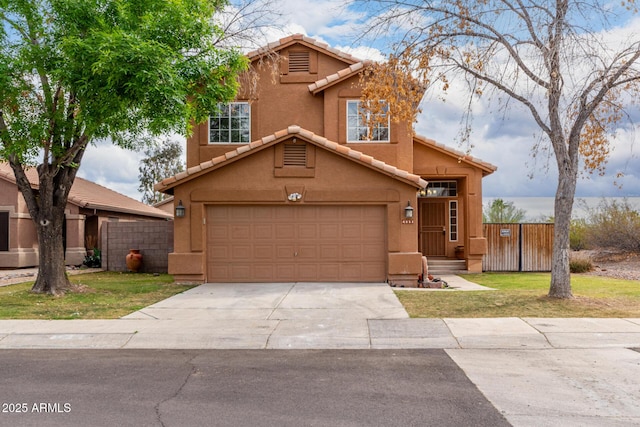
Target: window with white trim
453	220
357	129
231	124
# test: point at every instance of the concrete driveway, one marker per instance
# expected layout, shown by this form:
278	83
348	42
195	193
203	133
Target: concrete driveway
279	301
276	315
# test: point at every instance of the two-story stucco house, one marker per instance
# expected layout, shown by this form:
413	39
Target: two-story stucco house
290	186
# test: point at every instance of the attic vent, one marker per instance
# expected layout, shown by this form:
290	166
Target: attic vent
295	155
299	62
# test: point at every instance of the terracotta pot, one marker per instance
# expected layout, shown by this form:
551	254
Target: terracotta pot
134	260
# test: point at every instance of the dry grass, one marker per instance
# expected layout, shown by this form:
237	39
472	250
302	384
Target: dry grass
105	295
524	295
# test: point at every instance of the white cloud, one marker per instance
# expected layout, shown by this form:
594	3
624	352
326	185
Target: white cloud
112	167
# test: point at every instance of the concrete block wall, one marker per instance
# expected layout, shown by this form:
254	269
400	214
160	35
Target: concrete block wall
154	239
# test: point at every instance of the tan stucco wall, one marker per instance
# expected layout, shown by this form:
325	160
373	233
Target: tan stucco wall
282	102
23	241
251	180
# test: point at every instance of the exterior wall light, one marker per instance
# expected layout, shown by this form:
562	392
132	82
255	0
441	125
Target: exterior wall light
408	211
294	197
180	210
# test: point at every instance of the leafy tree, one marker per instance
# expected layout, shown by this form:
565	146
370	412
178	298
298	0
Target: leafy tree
499	211
566	62
75	71
162	160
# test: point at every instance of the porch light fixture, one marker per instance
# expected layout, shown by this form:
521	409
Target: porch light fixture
180	210
408	211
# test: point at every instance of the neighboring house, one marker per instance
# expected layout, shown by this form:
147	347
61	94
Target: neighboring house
89	206
165	205
289	186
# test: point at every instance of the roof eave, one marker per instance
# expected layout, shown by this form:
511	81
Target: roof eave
167	185
336	78
485	167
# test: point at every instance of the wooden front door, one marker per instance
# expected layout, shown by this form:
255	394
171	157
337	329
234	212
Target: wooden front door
432	223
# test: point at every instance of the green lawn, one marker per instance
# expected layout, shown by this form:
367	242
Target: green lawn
524	295
105	295
110	295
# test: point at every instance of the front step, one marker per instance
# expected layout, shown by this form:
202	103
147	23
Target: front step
447	266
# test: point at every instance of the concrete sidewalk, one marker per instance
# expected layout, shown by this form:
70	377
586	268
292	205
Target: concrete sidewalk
311	316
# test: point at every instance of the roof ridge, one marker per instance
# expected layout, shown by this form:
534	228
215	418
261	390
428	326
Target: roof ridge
301	37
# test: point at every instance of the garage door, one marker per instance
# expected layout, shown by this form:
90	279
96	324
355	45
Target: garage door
296	243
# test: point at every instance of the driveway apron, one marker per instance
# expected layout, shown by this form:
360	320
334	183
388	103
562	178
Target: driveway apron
268	315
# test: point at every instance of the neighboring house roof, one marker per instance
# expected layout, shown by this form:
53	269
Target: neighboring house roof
89	195
302	39
487	168
338	77
242	151
166	201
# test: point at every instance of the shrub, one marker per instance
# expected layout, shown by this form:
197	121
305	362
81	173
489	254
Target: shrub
578	235
614	225
95	260
580	265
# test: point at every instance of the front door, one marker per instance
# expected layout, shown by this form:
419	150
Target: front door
432	223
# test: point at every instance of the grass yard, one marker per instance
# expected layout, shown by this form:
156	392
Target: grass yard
524	295
105	295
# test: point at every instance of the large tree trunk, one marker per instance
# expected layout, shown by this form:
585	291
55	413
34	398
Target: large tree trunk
560	274
52	276
46	206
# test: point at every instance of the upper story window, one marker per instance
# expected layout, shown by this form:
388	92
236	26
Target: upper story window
357	129
231	124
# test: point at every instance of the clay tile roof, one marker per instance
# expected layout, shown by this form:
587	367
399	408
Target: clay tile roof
462	157
87	194
300	38
318	140
341	75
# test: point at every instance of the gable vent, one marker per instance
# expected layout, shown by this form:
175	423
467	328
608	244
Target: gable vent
299	62
295	155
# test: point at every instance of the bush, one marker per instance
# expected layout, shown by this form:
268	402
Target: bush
95	260
578	235
580	265
614	225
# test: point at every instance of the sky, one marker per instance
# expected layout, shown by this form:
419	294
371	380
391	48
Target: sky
505	141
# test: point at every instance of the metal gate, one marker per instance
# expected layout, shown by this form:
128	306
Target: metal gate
518	247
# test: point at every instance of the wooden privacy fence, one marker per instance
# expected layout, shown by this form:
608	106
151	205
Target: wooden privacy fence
518	247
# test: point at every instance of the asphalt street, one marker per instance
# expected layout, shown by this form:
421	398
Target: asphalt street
239	388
